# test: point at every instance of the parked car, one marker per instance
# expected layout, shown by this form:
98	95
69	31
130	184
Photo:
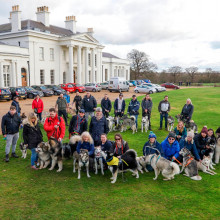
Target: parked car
18	91
133	82
77	87
130	84
160	88
57	90
68	87
104	85
31	93
5	94
170	86
47	92
118	84
94	87
151	85
147	80
144	89
139	82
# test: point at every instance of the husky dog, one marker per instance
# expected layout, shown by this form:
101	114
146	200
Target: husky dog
170	121
159	164
124	122
83	160
111	123
142	164
189	165
98	160
217	150
204	166
43	154
127	162
133	124
23	148
144	124
74	140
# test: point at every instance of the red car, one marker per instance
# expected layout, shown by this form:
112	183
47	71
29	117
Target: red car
77	87
68	87
170	86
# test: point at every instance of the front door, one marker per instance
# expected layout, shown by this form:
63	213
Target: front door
24	76
74	76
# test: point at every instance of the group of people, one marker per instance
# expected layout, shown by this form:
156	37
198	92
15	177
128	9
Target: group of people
55	126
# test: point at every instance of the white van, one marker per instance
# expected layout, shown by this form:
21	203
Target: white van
118	84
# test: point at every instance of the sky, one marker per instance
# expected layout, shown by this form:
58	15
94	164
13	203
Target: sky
171	32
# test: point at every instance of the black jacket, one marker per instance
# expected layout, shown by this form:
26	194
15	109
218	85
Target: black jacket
73	124
106	105
200	142
146	104
78	100
98	127
116	105
88	104
106	146
32	135
187	110
119	151
10	123
17	106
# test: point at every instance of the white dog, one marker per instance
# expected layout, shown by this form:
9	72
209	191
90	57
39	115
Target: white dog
217	150
204	166
98	160
110	121
142	164
144	124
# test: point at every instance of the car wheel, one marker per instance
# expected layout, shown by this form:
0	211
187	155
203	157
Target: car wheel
150	92
120	90
110	90
93	90
128	90
136	91
31	96
8	100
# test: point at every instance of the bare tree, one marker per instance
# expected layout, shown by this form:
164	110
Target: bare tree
192	71
175	71
140	62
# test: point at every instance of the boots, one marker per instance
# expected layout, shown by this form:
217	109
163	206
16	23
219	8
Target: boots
14	155
7	158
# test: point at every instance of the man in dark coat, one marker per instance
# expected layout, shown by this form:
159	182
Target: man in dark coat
89	104
17	105
78	102
78	123
119	106
133	108
106	106
187	111
147	105
98	126
10	130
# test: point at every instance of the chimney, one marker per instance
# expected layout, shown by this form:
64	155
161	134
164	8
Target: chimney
43	15
70	23
90	31
15	18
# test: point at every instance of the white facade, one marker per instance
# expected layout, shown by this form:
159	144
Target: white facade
56	55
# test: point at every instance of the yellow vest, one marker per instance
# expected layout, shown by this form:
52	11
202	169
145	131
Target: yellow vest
114	161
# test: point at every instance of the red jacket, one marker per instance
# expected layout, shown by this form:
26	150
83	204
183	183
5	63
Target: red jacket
51	131
39	105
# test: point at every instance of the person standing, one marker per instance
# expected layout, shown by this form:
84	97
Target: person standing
78	123
98	126
187	111
32	137
106	106
78	102
119	106
38	106
89	104
17	105
164	108
54	126
133	108
67	97
147	105
10	130
61	105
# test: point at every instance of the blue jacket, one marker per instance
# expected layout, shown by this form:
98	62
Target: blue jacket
106	146
147	149
17	106
67	97
134	107
170	151
190	146
116	105
87	146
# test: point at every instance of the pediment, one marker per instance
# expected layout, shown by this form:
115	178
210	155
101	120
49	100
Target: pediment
86	37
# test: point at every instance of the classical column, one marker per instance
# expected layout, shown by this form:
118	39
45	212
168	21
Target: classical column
79	65
70	64
86	65
13	75
99	66
1	75
93	66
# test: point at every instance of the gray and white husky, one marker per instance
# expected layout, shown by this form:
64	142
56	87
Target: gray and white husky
142	164
98	160
167	168
23	148
144	124
170	121
111	123
217	150
189	165
43	151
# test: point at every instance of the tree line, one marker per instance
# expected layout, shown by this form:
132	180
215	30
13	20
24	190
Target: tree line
143	68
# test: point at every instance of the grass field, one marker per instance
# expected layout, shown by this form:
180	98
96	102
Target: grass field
44	194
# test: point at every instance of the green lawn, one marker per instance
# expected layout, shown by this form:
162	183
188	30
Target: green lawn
44	194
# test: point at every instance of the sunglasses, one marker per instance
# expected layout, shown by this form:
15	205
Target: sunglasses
117	139
171	139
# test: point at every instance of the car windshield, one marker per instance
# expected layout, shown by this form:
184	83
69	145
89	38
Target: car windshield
43	87
5	91
20	89
29	88
78	85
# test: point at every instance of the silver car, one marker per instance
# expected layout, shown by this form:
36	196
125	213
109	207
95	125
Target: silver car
104	85
145	89
93	87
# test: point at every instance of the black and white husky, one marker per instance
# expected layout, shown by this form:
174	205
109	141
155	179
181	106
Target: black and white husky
23	148
170	121
111	123
144	124
98	160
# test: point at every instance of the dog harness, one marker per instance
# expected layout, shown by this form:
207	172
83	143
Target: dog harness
153	157
174	158
189	161
113	161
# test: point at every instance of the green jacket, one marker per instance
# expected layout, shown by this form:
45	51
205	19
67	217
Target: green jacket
61	104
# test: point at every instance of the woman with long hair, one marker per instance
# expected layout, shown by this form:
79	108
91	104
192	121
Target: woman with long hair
180	131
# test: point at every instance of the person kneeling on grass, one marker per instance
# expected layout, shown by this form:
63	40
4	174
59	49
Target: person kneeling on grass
32	137
180	131
152	147
170	147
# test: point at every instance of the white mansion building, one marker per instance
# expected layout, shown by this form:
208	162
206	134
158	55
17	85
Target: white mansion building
35	52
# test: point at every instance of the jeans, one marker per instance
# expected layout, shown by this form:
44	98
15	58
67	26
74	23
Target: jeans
11	140
165	116
39	115
89	114
64	114
34	156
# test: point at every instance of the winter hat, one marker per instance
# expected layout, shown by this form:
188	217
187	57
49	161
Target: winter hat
190	134
171	134
152	135
82	110
204	130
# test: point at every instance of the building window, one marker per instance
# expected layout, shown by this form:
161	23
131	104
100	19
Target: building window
41	77
51	54
52	77
89	59
41	54
6	75
64	55
64	77
89	76
95	76
115	72
95	60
